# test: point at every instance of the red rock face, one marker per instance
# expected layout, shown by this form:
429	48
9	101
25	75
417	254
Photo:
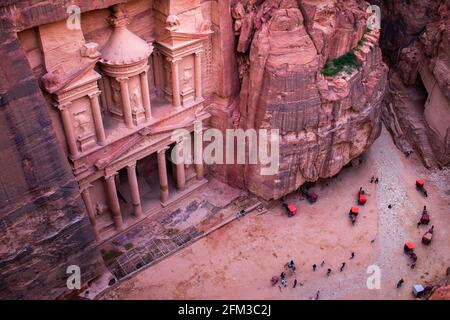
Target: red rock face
416	39
442	293
43	224
324	122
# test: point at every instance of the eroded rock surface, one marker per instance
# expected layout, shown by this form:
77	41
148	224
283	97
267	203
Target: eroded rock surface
43	224
415	39
324	122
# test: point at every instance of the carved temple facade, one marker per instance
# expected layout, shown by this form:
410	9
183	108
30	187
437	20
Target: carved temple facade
116	101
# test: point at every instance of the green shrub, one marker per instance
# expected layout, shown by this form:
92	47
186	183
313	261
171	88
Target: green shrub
347	62
110	255
361	42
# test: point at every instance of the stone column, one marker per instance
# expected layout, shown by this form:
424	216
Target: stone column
114	201
159	77
181	174
145	94
198	150
98	121
199	166
134	189
176	99
162	171
125	95
198	76
86	195
108	92
101	85
68	129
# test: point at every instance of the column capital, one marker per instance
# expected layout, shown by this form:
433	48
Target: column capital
162	150
92	95
132	165
122	79
181	139
145	71
173	60
109	175
199	52
85	187
64	106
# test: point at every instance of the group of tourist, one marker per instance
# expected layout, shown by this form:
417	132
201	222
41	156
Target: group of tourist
290	268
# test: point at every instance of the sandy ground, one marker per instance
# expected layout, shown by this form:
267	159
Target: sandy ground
238	260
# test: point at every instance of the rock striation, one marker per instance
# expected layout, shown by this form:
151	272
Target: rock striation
311	69
415	39
324	121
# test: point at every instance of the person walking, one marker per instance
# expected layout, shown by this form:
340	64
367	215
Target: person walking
400	282
343	266
317	294
291	265
295	283
352	256
328	271
314	267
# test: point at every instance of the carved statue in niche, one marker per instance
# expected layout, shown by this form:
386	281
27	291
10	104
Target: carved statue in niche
167	77
117	98
135	100
82	121
100	208
187	77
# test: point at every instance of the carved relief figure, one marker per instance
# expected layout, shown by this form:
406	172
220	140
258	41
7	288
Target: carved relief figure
117	99
187	77
82	121
135	100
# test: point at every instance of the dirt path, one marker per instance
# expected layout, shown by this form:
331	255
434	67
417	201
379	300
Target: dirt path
237	261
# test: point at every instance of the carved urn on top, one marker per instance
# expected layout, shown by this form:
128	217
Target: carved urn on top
124	65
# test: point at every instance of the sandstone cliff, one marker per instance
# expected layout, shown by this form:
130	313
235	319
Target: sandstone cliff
415	40
274	64
43	221
324	121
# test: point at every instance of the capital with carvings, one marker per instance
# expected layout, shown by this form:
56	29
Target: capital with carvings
93	95
64	106
122	79
162	150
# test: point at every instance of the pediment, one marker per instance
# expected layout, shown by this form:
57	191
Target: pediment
149	137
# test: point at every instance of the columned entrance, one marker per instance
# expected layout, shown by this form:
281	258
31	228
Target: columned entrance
138	189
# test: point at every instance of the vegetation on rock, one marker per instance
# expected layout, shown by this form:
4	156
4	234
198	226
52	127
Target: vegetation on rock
347	62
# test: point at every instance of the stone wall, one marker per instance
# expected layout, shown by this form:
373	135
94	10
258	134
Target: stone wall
324	122
261	69
415	40
42	217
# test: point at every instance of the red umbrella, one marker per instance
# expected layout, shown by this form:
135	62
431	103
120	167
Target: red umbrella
355	210
362	199
409	245
292	208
